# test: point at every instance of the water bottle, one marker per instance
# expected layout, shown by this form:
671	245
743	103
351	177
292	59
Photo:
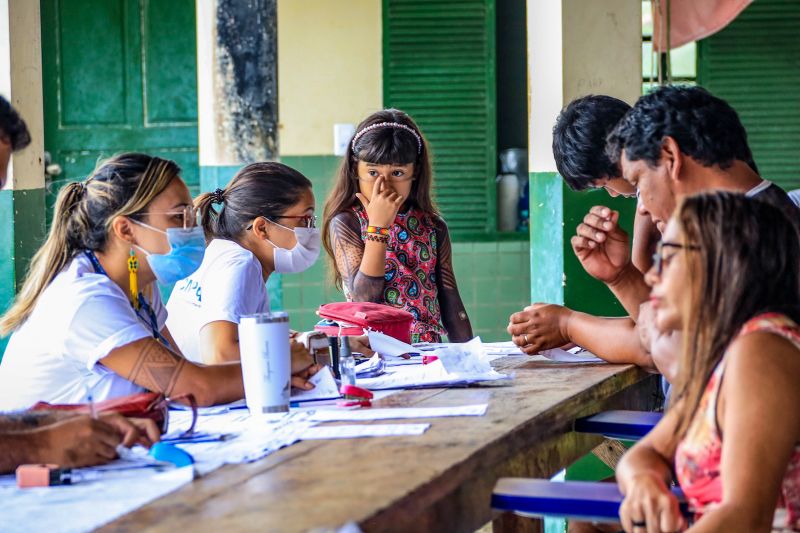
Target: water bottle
347	363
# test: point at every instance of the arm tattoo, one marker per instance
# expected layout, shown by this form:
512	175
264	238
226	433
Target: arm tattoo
454	315
349	251
157	369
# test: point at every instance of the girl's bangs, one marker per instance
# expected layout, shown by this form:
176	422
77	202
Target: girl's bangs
387	147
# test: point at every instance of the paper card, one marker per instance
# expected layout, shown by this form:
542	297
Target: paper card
468	358
359	431
388	346
325	388
573	355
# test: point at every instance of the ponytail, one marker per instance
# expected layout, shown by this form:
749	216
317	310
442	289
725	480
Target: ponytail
121	186
258	190
49	260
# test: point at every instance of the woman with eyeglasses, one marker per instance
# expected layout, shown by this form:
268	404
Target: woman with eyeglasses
384	234
88	321
264	223
727	275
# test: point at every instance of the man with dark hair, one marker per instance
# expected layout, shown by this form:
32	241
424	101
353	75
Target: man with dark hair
61	438
679	141
579	149
674	142
579	144
13	136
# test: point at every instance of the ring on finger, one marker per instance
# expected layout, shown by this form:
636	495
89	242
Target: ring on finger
525	338
639	523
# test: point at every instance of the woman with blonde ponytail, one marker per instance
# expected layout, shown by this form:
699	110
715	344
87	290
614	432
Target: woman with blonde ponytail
89	319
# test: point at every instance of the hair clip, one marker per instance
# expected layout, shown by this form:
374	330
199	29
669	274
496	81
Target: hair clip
388	125
217	197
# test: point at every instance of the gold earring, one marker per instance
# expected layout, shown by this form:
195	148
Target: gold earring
133	268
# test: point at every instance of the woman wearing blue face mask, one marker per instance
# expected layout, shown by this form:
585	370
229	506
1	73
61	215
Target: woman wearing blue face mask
89	319
262	222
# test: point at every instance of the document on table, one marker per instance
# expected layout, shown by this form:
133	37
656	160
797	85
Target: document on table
397	413
359	431
325	388
430	375
88	505
250	438
388	346
573	355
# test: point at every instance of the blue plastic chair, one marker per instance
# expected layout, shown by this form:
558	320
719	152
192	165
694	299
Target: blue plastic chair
575	500
625	425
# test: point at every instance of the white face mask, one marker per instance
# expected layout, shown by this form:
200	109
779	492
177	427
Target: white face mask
302	256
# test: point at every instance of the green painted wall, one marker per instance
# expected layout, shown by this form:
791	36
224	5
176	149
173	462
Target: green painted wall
22	230
556	274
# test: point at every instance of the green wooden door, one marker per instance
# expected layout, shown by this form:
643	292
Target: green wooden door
754	64
439	67
119	75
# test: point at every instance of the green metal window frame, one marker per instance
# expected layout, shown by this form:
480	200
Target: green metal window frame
489	197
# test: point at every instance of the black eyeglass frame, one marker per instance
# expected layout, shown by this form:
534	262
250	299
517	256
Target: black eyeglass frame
658	258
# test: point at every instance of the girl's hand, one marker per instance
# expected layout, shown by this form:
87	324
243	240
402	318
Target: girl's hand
383	207
649	506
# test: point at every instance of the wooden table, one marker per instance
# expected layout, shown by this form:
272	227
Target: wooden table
439	481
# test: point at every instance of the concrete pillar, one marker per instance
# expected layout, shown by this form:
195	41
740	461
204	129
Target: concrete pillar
22	201
237	91
575	48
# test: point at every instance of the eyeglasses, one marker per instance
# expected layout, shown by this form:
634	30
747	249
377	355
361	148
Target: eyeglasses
306	221
660	262
186	216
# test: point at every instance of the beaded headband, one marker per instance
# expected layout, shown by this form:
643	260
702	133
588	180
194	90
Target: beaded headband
388	125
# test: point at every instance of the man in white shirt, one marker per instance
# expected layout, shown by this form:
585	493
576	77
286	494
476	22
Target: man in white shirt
65	439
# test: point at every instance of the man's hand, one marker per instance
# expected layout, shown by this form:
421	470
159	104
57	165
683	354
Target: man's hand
134	431
80	441
602	247
540	327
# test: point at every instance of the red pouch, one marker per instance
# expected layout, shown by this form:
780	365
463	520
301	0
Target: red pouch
354	317
150	405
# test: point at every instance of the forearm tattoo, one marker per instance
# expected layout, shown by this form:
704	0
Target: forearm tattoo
348	253
157	368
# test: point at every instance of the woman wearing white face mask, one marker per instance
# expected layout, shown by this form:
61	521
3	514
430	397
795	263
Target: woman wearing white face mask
89	319
264	223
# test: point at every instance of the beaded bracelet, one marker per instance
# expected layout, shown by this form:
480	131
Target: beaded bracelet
378	230
383	239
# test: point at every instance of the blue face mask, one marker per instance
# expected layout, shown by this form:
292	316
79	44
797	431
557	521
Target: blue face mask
187	248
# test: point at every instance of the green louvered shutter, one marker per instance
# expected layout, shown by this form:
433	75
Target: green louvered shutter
439	67
755	65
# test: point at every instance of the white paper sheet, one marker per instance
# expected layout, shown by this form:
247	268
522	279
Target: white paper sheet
88	505
252	437
467	358
398	413
388	346
573	355
325	388
358	431
430	375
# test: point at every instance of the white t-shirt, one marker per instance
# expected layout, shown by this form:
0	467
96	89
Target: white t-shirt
78	319
228	285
